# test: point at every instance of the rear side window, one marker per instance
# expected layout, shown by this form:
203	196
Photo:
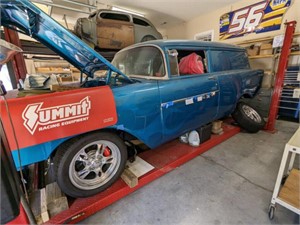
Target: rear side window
188	62
114	16
140	22
229	60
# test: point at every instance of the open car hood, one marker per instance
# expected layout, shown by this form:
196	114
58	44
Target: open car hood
32	21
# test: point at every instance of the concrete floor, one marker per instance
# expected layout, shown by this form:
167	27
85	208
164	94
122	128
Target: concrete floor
230	184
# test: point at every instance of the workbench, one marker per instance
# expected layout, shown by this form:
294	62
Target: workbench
287	194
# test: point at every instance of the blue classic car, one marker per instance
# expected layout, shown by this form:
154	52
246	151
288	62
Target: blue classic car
161	89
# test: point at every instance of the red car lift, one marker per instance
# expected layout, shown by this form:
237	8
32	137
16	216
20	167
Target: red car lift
18	60
282	66
164	159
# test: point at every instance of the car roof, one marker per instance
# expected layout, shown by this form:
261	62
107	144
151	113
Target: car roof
187	43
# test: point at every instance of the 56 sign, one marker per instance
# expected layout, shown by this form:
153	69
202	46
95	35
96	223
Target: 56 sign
260	17
247	18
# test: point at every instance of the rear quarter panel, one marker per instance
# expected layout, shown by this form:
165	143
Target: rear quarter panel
141	31
235	85
86	29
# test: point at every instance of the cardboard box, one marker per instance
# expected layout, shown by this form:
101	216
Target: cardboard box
266	49
266	46
253	50
42	69
268	80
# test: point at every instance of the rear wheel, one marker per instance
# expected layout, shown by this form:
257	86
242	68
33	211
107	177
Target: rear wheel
88	165
248	118
148	38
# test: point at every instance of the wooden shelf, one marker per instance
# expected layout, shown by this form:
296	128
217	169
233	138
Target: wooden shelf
260	40
261	56
55	72
255	41
295	53
289	193
271	55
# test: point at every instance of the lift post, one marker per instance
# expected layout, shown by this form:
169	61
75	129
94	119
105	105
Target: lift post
18	61
282	66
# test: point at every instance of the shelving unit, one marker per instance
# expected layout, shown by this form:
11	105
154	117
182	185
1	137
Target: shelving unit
271	55
289	103
258	40
62	69
288	194
269	59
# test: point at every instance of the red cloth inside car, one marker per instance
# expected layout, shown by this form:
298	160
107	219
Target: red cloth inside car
191	64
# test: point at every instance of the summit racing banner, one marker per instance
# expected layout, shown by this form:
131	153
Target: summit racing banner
261	17
33	120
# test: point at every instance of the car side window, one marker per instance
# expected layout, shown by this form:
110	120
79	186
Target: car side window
173	62
229	60
141	61
140	22
188	62
114	16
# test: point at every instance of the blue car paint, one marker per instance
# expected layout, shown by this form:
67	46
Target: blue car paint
36	153
154	111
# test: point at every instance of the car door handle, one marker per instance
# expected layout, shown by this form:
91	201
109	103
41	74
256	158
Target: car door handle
212	78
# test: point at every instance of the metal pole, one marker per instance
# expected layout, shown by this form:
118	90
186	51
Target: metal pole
282	65
80	4
59	6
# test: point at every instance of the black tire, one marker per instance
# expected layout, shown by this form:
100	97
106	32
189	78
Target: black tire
90	164
248	118
271	212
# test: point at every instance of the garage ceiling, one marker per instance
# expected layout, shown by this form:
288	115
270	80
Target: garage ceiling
162	13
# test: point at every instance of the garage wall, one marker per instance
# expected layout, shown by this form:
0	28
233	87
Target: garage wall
201	24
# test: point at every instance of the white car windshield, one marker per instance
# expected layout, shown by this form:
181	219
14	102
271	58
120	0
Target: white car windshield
141	61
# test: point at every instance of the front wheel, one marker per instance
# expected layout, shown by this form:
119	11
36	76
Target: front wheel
88	165
248	118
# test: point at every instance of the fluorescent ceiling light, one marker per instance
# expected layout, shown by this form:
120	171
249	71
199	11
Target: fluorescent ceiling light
126	11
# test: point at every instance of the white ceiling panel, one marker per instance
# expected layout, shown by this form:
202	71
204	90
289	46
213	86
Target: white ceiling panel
162	13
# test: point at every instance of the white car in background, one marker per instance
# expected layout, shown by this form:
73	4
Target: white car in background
108	29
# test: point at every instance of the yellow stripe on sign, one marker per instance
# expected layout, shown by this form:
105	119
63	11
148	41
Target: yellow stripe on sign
224	37
278	12
272	22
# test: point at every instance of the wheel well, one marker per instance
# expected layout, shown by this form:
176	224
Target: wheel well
246	95
125	136
148	38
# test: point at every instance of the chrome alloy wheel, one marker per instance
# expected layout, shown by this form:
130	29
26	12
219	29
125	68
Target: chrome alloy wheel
94	165
251	113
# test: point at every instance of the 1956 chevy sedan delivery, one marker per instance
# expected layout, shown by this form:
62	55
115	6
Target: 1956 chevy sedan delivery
143	95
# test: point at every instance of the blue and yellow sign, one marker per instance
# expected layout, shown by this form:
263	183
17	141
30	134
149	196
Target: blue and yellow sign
261	17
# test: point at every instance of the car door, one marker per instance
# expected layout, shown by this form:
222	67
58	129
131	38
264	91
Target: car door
188	102
114	30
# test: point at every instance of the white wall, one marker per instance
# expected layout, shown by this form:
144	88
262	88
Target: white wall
210	21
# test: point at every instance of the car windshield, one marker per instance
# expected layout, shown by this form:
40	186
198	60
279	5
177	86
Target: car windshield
141	61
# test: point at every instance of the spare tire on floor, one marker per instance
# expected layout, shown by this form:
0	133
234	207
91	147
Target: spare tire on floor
248	118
